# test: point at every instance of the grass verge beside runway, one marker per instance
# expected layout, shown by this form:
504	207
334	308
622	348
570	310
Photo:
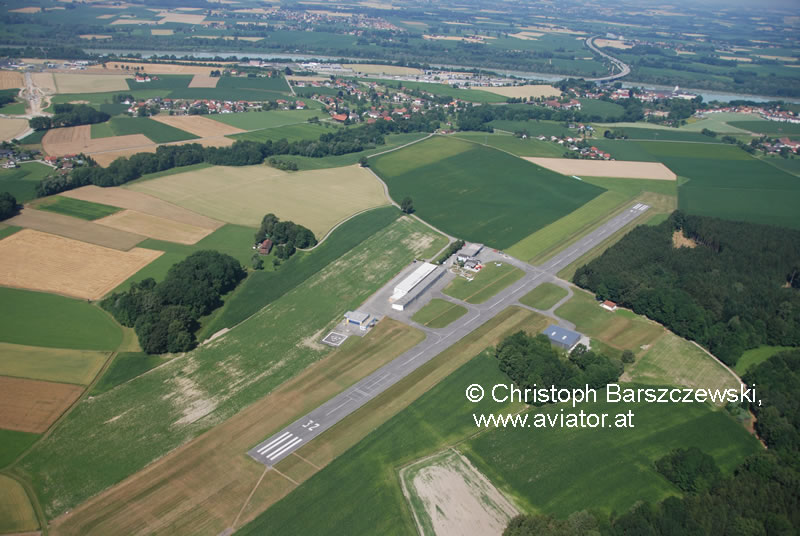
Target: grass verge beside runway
544	296
486	283
40	319
76	208
439	313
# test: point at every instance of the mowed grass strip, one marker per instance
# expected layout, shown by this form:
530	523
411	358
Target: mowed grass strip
99	444
418	416
562	470
439	313
155	131
478	193
486	283
270	119
50	364
16	511
76	208
40	319
544	296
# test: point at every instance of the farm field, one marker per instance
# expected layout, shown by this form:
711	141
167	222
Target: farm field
468	95
393	141
671	360
164	82
39	261
300	131
125	367
204	80
493	278
75	140
50	364
218	378
601	108
21	182
155	130
544	296
11	128
439	313
535	128
514	145
243	195
33	405
525	91
72	324
154	227
371	68
660	134
546	476
197	125
768	128
720	122
12	444
11	80
619	169
200	463
74	207
147	204
16	512
75	228
447	178
269	119
89	83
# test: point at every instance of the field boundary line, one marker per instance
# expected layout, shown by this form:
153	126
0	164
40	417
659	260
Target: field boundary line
252	492
309	462
339	224
726	367
290	479
34	500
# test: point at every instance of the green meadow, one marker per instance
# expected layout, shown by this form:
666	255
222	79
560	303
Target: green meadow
478	193
544	296
76	208
21	182
125	367
486	283
270	119
50	364
515	145
301	131
155	131
439	313
13	443
769	128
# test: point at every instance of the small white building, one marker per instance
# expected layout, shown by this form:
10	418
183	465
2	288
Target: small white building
469	251
609	305
358	318
415	278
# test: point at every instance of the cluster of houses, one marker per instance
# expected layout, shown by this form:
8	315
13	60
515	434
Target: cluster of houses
65	163
12	156
185	106
556	104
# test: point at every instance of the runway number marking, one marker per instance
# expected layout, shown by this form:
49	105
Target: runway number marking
311	425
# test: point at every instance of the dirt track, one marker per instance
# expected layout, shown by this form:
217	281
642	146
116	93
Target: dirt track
606	168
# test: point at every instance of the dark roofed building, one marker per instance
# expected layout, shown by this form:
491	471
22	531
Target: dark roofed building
562	337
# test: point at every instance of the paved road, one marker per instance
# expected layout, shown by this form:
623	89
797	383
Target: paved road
625	70
275	448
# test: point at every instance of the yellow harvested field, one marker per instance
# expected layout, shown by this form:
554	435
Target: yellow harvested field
317	199
204	80
120	22
161	31
211	141
371	68
26	10
104	159
74	140
527	36
33	405
11	80
40	261
95	36
155	227
606	168
197	125
106	16
11	128
44	81
75	228
180	18
612	43
779	58
89	83
124	198
154	68
524	91
16	512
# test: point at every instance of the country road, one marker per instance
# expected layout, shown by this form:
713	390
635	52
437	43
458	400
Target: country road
282	444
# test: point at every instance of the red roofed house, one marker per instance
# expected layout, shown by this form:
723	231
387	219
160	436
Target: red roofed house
265	247
609	305
339	117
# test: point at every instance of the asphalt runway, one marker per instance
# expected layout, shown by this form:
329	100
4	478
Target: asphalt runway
296	435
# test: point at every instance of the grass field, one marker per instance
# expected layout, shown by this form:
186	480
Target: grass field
72	324
76	208
154	130
154	227
263	287
300	131
544	296
98	442
243	195
535	128
50	364
13	443
439	313
21	182
486	283
602	109
769	128
165	81
270	119
90	83
16	512
515	145
392	142
753	357
661	134
125	367
477	193
468	95
613	468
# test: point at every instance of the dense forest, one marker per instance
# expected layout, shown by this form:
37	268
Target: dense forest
241	153
165	314
532	360
737	289
8	205
761	498
69	115
286	235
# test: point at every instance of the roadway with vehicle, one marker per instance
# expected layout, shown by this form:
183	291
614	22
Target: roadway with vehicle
299	433
624	69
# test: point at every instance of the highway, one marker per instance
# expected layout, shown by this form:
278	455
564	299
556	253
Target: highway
623	67
275	448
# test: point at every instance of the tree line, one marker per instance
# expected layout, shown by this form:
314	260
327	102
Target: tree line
165	314
285	235
69	115
760	498
738	289
241	153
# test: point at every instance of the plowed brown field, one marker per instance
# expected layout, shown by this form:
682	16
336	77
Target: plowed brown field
33	405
